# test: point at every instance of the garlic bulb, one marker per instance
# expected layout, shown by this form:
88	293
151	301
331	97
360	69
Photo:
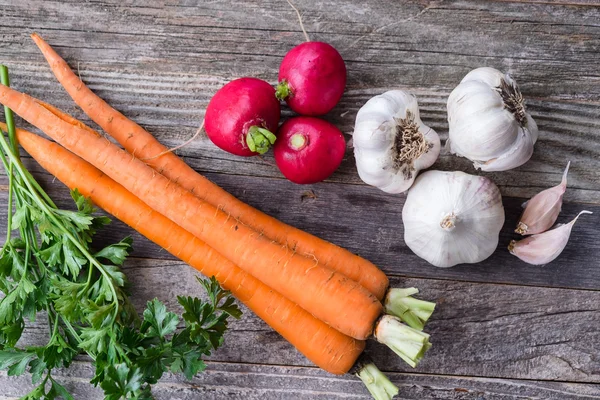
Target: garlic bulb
391	143
488	123
452	218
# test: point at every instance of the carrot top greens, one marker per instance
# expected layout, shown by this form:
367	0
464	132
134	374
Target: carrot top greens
48	266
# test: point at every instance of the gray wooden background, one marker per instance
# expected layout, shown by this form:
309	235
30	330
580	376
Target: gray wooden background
503	329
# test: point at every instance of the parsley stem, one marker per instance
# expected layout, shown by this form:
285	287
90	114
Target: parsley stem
55	329
52	216
10	202
39	189
8	114
12	136
51	321
10	125
49	313
72	330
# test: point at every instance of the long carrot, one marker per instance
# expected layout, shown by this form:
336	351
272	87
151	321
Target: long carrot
143	145
328	295
323	345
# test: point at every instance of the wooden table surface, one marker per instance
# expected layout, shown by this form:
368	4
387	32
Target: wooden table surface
503	329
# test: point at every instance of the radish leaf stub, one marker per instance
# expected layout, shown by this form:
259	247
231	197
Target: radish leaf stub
241	117
308	149
312	78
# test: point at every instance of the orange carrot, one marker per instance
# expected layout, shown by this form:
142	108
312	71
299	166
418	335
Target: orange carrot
323	345
327	294
144	146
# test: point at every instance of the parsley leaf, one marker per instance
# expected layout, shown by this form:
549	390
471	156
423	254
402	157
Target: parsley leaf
116	253
10	358
121	381
158	321
58	391
47	264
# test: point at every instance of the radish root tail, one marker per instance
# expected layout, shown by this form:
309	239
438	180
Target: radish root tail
299	20
177	147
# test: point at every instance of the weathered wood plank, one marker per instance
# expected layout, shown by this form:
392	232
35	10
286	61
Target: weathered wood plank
369	222
258	382
570	129
484	330
160	62
162	66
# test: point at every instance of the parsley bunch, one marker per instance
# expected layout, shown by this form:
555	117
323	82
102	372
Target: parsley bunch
47	265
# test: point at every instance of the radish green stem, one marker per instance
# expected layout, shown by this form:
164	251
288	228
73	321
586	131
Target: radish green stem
283	90
410	344
413	312
259	139
298	141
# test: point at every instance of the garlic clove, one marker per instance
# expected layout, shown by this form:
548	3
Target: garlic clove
518	154
486	128
544	247
532	127
490	76
542	210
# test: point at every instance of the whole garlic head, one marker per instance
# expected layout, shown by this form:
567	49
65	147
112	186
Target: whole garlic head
391	143
452	218
488	122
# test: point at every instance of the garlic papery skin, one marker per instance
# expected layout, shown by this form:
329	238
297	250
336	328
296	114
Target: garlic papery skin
488	122
452	218
544	247
542	210
391	143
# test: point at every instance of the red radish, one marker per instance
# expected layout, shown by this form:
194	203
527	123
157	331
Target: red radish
241	117
312	78
308	149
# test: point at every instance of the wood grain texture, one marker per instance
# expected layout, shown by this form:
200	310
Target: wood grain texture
483	330
264	382
369	222
162	66
503	329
